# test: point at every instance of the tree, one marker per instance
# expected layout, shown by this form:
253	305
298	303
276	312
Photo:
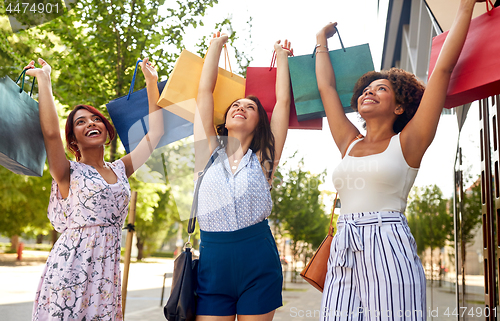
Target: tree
24	205
429	219
101	41
469	218
297	210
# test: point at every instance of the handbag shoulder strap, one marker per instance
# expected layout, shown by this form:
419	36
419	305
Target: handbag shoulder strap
330	228
194	207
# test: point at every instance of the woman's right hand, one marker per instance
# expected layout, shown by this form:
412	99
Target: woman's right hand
328	31
219	37
39	73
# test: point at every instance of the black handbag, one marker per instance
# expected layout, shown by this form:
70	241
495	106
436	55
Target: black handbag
181	305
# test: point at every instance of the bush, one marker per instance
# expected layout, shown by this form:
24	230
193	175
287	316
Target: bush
163	254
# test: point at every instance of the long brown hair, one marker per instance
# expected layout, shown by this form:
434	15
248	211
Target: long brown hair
70	133
263	138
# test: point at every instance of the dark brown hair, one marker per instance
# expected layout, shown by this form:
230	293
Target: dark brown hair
408	91
263	139
70	133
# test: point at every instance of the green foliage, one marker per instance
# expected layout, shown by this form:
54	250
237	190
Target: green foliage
24	204
297	209
428	218
93	50
471	216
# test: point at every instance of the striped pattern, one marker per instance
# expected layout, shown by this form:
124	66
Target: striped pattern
386	280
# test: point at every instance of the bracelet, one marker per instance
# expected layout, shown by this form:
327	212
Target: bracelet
318	51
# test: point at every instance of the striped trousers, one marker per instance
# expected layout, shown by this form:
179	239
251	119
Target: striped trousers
374	272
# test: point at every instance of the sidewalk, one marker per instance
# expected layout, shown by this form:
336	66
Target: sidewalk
301	302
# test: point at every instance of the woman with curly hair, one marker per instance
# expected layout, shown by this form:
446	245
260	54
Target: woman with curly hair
373	270
239	271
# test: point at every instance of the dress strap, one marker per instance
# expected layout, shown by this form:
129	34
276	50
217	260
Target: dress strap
351	145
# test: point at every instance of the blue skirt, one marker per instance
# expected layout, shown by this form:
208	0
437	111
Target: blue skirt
239	272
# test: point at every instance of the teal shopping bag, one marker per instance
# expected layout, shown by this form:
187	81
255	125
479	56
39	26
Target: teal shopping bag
349	65
22	150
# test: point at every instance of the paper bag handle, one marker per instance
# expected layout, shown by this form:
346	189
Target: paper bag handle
273	60
131	90
226	58
488	7
21	76
341	43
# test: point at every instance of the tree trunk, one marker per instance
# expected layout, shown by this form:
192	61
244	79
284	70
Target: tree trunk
39	238
140	249
440	270
432	284
14	243
112	151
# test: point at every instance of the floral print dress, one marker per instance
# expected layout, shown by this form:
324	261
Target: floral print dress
81	280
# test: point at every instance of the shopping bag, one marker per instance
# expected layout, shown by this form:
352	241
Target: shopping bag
130	116
477	72
349	65
22	150
261	82
179	95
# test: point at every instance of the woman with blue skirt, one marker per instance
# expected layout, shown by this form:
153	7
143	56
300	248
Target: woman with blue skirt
239	269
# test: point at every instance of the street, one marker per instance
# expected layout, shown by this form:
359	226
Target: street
19	283
301	301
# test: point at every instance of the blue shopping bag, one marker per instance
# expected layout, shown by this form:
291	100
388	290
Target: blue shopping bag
22	150
349	65
130	116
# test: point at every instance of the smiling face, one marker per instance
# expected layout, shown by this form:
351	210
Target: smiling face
378	98
89	129
242	115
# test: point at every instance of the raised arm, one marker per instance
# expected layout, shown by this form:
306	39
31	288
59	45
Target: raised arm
147	145
204	131
343	131
281	112
420	131
49	121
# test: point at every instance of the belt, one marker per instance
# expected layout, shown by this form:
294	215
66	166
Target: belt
347	240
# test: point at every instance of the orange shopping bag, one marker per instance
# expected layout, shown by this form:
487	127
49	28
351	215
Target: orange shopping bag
179	94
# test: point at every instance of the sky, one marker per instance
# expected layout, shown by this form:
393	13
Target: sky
358	23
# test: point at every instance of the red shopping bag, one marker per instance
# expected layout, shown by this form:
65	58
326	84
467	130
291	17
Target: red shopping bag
477	73
261	82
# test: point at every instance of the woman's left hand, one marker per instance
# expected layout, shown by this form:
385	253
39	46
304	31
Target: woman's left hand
285	48
149	71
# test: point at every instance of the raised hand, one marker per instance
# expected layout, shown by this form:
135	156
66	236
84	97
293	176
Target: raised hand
329	30
43	72
219	37
286	47
149	71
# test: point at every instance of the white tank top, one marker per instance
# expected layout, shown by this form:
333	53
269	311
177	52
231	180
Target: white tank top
373	183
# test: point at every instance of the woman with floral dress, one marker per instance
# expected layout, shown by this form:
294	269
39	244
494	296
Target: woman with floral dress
88	205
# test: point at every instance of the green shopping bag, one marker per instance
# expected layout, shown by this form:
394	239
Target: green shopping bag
22	150
349	65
